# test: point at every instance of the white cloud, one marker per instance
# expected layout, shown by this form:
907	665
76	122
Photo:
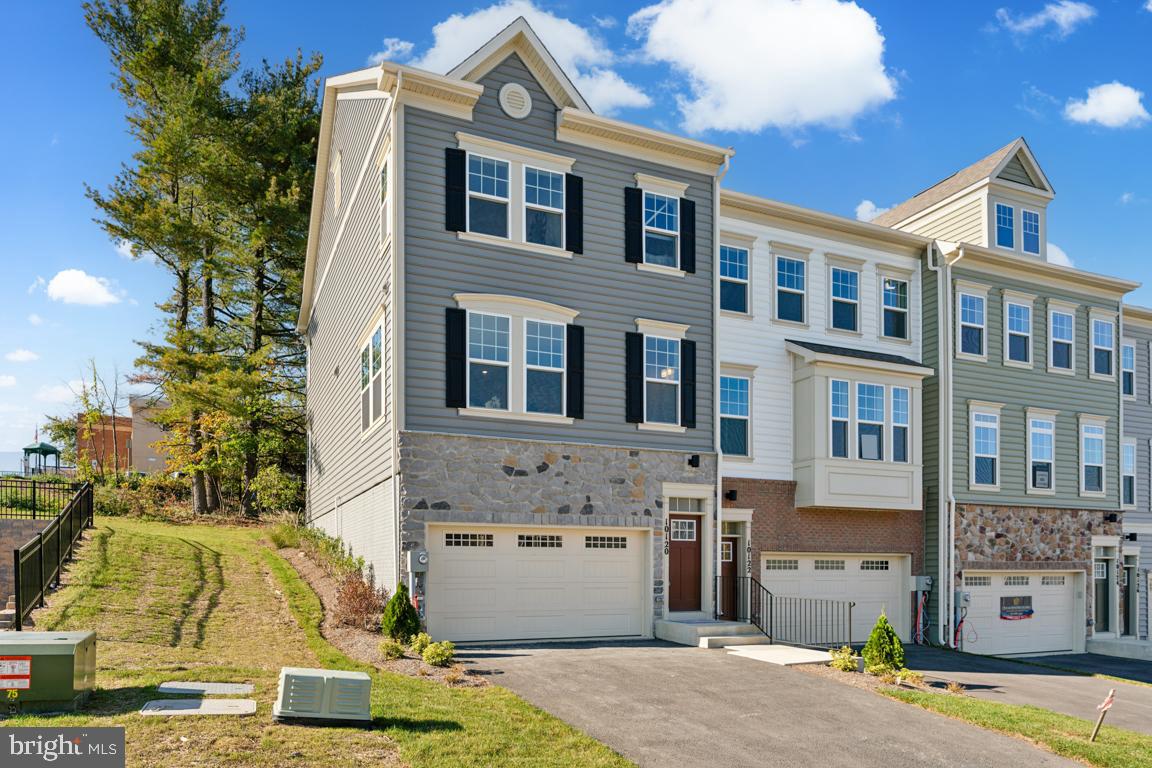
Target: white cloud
75	286
1128	197
584	56
1112	105
608	22
37	284
868	210
394	49
824	63
124	248
7	381
1056	255
21	356
59	394
35	319
1063	17
1148	6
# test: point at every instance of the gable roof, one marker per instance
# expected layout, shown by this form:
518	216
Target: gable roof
519	37
858	354
986	168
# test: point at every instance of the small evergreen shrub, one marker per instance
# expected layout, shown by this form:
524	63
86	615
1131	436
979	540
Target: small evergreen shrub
844	659
883	651
419	642
392	649
439	654
400	618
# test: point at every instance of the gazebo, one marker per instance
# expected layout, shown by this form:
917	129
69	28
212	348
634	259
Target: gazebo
41	451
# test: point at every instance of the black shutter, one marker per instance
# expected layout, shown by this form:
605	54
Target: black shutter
574	407
574	213
455	357
634	377
633	225
688	384
687	235
455	193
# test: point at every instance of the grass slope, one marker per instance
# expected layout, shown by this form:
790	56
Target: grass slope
212	603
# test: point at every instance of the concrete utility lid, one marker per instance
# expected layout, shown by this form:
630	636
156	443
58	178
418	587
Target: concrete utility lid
205	689
784	655
175	707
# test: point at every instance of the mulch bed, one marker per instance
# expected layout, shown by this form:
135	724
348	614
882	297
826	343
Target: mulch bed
364	646
866	681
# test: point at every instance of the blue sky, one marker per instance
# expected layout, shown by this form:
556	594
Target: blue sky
828	105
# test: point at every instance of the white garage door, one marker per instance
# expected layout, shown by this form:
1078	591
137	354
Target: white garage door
1018	612
876	583
497	583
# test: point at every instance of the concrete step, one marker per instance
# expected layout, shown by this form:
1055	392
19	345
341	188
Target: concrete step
7	618
727	641
1123	647
691	632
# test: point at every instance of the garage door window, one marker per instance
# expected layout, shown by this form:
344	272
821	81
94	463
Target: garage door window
977	581
539	540
467	539
873	565
781	565
1052	581
605	542
683	530
829	565
1016	581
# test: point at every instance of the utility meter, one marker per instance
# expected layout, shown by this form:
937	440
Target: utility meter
418	561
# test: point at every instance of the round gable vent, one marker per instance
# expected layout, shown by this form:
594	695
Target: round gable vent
515	101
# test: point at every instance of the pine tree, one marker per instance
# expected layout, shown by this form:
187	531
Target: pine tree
400	620
883	652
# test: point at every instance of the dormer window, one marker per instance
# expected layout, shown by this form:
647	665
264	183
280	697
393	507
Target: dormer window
1005	226
1030	225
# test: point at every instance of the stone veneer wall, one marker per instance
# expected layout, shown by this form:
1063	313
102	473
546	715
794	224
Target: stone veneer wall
481	480
14	533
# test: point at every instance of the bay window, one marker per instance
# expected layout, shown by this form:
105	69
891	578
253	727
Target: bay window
839	413
901	419
870	421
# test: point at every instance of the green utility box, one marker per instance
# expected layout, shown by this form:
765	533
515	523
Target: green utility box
46	671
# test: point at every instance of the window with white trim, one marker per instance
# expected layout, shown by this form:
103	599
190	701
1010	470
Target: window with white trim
870	421
1030	229
372	379
543	207
488	198
734	279
895	300
727	552
845	299
972	323
790	289
1005	226
986	448
734	415
1041	453
839	411
901	423
661	230
544	367
489	342
1128	370
1103	346
661	380
1061	334
1100	570
1018	347
683	530
1128	472
1092	458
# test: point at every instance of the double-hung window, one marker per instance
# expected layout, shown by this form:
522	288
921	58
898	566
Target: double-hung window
845	299
986	449
1092	458
487	196
1018	345
895	308
372	379
734	279
1128	370
544	367
489	341
972	323
790	289
1005	226
661	230
543	207
1103	347
661	380
870	421
839	411
1041	452
901	421
1030	228
1128	472
1061	331
734	412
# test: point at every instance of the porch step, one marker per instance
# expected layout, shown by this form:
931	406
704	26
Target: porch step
694	632
727	641
1123	647
7	618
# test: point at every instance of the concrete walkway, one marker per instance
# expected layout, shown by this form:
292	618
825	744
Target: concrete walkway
665	705
1013	682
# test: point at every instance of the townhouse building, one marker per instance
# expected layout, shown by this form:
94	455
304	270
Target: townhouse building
508	306
1024	437
1136	469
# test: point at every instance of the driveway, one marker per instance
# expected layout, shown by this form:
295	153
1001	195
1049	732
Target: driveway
661	705
1099	664
1014	682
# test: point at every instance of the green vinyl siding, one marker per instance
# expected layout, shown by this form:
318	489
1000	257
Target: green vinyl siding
930	414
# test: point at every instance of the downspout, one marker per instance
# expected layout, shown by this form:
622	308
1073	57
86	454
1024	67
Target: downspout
718	490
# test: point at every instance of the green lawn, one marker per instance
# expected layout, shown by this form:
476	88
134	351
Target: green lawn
214	603
1062	734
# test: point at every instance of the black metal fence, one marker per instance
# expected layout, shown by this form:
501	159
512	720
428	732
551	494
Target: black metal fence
38	564
34	499
806	621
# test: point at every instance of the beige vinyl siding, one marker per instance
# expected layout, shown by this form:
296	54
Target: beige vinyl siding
930	413
1019	389
1015	171
1138	425
608	293
961	221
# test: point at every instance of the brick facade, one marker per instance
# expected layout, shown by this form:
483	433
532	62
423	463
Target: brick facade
777	526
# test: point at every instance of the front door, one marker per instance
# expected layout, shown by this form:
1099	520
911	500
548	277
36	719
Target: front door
1130	604
728	574
684	563
1103	595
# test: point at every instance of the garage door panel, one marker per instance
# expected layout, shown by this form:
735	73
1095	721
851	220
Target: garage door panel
1049	629
601	598
606	570
536	570
469	569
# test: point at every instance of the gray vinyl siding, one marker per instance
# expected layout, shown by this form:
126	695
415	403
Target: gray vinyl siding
1015	171
1019	389
608	292
344	462
963	223
931	433
1138	425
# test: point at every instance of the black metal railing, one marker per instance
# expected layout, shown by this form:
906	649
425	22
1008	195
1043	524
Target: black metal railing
806	621
38	564
34	499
